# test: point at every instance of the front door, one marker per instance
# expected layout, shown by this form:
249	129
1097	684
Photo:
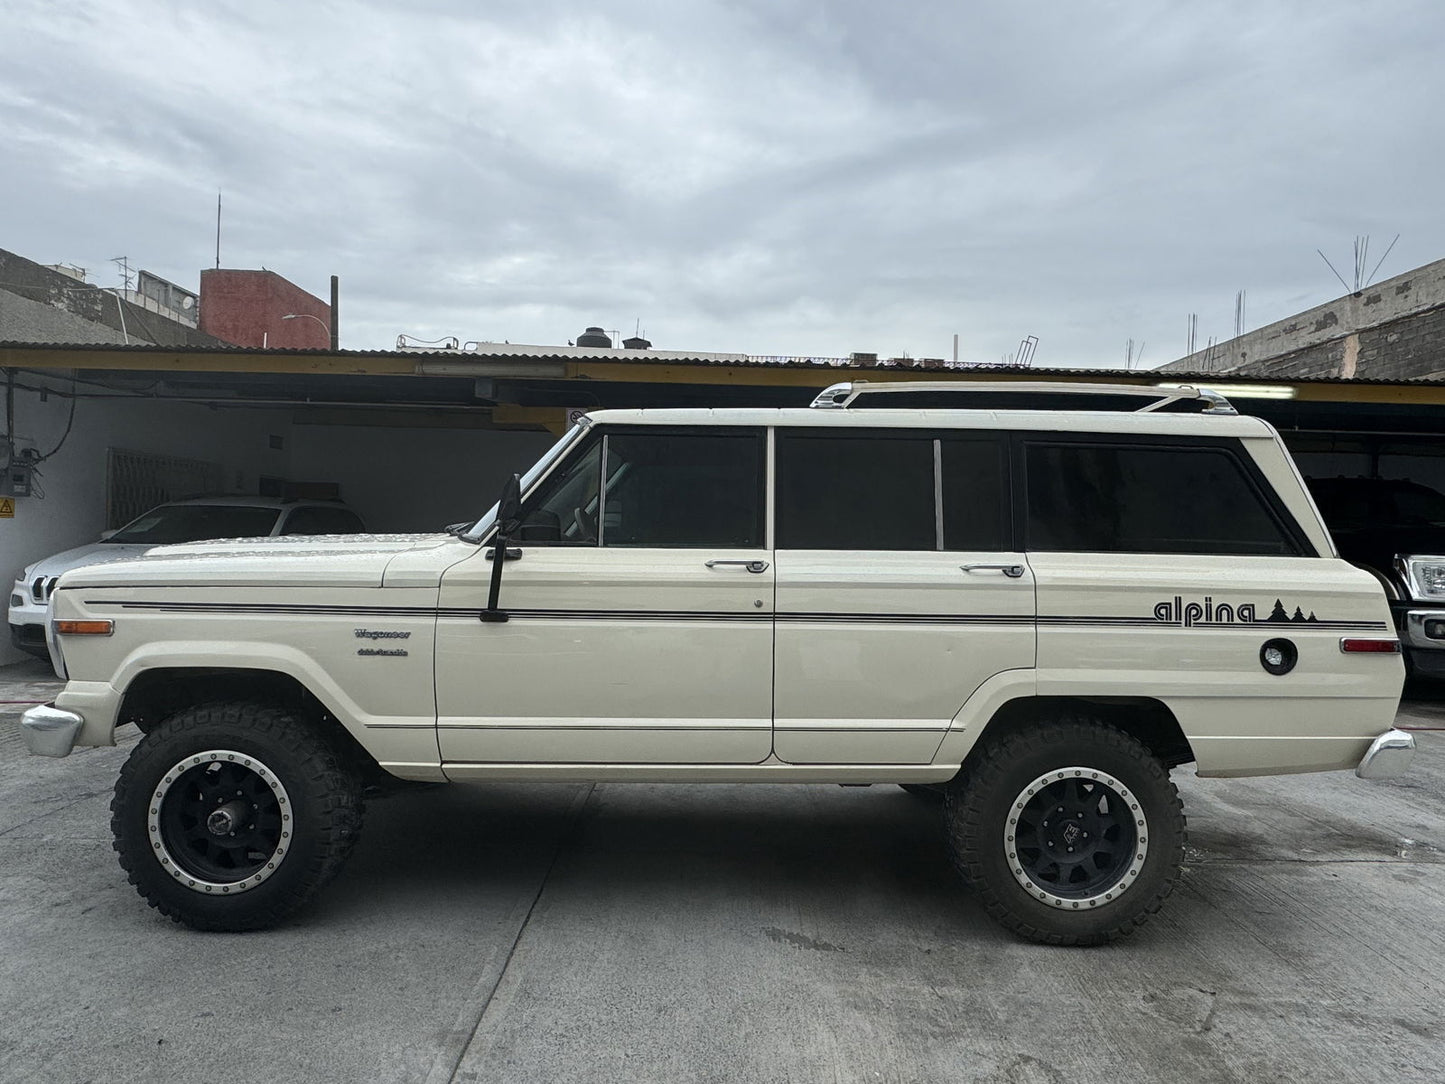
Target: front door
640	612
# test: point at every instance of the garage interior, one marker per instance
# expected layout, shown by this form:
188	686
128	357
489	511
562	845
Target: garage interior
417	439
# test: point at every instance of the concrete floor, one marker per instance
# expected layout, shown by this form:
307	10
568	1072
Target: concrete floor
728	933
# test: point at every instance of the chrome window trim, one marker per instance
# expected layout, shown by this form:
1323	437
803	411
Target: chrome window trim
938	494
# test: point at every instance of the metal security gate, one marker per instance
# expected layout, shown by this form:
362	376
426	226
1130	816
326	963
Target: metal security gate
138	481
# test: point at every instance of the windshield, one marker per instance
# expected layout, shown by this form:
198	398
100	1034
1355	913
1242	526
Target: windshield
483	525
196	522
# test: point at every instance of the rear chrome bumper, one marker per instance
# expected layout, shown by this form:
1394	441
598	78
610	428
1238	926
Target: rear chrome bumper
1389	755
50	731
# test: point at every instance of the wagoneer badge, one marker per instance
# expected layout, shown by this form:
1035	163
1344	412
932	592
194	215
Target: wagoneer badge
381	634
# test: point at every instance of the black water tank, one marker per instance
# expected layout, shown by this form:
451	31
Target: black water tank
594	336
637	342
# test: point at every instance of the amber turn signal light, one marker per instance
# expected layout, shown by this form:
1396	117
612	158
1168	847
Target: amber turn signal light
85	628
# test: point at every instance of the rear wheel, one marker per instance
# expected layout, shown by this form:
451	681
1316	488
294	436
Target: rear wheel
1070	831
230	816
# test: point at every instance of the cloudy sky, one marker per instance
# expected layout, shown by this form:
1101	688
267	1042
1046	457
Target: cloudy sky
770	176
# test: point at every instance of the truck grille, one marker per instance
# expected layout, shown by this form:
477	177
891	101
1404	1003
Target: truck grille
41	588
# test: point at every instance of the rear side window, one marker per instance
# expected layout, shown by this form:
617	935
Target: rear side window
1121	498
890	491
855	492
975	490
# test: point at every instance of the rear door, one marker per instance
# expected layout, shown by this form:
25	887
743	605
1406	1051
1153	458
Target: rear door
900	590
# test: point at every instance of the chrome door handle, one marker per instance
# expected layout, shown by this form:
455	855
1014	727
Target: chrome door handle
751	566
1013	572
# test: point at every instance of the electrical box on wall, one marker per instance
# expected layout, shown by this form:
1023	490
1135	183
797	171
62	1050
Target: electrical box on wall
17	479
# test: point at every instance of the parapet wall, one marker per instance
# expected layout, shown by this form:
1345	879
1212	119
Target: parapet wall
1394	330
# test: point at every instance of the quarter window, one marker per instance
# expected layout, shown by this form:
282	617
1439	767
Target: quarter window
565	512
1137	499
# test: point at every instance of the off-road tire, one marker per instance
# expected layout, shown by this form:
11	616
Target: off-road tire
1105	767
313	814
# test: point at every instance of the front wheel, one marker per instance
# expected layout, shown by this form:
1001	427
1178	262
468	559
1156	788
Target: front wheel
230	816
1070	831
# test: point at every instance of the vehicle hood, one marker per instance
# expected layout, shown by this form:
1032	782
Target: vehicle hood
311	561
92	553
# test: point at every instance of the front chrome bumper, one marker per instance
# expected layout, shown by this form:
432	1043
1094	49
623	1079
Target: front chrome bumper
1414	630
1389	755
50	731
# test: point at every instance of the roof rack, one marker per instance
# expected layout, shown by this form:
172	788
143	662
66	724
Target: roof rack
841	396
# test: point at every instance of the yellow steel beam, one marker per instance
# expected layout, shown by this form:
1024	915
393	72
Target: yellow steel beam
1402	394
553	419
162	359
181	360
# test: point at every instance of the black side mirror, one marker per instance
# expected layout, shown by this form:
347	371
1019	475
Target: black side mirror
509	506
509	510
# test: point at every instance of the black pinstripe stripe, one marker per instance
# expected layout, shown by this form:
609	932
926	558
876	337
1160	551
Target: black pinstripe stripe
786	616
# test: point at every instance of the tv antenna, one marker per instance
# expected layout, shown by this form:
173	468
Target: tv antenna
123	262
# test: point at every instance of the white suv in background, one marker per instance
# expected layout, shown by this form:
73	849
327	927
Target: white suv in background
180	521
1039	612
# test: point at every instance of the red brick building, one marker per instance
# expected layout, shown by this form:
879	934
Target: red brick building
249	308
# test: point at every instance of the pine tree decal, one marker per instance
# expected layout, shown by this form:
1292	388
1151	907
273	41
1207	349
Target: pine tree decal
1278	613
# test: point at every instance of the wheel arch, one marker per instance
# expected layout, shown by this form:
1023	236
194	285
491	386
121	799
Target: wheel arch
155	694
1144	718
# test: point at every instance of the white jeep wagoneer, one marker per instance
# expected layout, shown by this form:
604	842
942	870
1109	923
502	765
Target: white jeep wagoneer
1036	612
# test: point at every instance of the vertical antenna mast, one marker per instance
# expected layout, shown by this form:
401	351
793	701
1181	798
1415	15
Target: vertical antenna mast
218	228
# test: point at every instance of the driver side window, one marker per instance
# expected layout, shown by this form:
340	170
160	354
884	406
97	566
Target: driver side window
664	488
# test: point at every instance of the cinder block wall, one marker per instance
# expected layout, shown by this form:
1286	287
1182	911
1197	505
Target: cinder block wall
1392	331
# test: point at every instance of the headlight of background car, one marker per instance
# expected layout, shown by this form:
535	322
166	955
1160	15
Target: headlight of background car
1425	575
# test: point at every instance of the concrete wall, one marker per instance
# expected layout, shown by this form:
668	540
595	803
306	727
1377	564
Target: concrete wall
398	479
39	305
413	479
1392	331
245	308
73	509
